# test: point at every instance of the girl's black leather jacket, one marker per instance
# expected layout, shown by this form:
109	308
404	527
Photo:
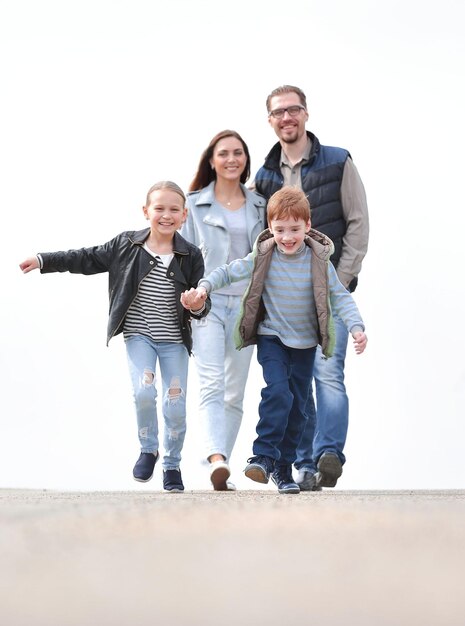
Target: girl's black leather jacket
127	263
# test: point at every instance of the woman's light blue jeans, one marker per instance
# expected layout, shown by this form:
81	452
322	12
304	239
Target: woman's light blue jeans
223	372
173	358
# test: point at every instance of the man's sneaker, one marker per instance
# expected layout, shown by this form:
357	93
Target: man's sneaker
282	478
172	480
329	470
259	468
219	474
306	479
143	469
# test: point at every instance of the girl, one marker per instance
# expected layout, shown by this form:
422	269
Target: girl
148	270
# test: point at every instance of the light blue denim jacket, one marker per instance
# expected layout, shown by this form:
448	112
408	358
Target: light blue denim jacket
206	228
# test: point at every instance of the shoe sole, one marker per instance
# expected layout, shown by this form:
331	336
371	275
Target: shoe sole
329	470
291	490
143	480
219	477
175	490
256	474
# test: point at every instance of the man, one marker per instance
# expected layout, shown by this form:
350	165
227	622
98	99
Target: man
339	209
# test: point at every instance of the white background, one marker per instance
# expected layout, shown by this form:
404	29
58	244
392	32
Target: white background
100	99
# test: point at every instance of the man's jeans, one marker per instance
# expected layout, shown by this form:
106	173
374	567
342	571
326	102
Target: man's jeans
143	354
288	375
327	430
222	371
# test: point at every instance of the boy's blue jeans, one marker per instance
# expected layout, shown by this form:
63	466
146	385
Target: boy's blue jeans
173	358
288	375
326	429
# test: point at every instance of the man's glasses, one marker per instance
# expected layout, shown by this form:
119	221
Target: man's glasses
293	111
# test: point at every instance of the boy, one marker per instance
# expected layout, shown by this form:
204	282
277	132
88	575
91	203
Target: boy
287	311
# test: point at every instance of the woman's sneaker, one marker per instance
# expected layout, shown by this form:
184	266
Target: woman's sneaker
259	468
143	469
282	478
219	474
172	480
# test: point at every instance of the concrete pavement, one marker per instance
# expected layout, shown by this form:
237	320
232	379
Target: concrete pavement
246	558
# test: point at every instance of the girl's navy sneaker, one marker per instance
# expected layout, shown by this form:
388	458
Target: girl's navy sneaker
143	469
172	480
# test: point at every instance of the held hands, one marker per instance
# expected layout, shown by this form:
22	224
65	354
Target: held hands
194	298
360	342
29	264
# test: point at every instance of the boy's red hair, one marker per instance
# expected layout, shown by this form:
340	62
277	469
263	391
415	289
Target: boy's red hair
288	202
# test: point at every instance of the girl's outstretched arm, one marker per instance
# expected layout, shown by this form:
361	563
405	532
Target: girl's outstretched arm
31	263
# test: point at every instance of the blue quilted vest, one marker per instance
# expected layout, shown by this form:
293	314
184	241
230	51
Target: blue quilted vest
321	181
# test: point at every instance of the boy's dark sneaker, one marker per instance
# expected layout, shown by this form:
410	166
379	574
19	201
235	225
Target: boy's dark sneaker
329	470
306	479
143	469
282	478
259	468
172	480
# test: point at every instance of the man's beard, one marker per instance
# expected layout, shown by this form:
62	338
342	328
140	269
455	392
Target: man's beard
290	138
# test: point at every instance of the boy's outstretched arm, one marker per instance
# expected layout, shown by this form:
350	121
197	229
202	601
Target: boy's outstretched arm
360	341
194	299
31	263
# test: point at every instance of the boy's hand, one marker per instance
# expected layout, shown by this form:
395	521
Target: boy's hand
194	299
360	342
29	264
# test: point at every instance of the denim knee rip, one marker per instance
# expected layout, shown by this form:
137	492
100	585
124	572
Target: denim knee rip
173	395
148	379
175	392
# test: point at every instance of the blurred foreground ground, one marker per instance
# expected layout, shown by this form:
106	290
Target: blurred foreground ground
246	558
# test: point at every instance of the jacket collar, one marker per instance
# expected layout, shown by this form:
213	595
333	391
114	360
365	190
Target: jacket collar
179	243
273	159
207	195
321	245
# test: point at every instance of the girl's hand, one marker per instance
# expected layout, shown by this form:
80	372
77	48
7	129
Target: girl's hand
194	298
29	264
360	342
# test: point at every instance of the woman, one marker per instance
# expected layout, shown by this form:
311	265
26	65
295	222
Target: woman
224	219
